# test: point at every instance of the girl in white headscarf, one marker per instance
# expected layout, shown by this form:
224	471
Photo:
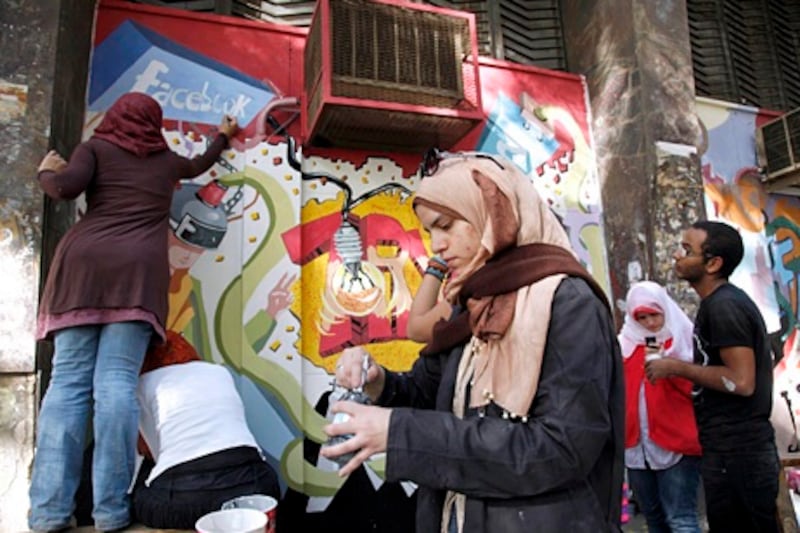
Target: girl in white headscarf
661	446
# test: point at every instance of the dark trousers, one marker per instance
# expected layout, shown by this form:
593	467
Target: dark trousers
184	493
741	489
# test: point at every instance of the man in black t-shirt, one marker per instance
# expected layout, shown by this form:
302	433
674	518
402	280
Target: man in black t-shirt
732	373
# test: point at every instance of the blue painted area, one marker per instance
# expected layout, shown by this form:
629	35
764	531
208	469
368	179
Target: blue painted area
509	134
188	85
782	249
114	56
268	421
738	130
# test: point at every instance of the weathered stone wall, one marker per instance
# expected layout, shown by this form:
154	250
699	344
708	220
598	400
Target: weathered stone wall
636	58
43	70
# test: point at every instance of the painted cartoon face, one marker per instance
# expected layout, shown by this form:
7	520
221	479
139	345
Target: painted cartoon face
650	320
454	239
182	255
689	258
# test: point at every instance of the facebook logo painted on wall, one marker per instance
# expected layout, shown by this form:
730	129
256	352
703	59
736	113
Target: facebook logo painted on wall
189	86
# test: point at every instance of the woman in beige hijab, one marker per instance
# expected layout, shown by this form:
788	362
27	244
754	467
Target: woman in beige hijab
512	418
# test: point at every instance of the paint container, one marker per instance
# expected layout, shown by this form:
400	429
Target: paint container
232	521
259	502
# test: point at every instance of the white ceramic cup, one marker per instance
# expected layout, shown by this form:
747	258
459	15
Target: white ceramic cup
260	502
232	521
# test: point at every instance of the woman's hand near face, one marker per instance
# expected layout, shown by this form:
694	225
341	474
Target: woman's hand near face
349	369
369	426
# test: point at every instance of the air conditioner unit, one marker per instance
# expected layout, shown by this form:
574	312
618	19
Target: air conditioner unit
389	75
778	143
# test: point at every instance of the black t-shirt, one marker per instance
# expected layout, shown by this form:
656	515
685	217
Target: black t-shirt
729	422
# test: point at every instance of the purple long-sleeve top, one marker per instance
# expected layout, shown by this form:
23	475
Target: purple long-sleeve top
112	264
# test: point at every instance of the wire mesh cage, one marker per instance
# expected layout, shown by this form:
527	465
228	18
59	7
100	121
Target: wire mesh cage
410	72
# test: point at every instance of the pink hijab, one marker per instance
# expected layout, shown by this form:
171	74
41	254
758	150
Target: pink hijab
133	123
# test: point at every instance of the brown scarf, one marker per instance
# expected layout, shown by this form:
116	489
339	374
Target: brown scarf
501	276
507	288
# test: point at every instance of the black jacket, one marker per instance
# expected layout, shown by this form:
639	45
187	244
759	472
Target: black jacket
559	471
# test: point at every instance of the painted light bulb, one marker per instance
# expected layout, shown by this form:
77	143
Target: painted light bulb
356	284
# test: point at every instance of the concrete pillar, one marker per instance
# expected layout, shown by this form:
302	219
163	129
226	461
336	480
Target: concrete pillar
43	71
637	60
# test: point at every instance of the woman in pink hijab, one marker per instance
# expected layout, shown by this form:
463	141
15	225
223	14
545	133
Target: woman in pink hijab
662	451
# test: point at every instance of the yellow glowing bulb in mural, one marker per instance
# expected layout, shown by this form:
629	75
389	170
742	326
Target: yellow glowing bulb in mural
356	291
356	284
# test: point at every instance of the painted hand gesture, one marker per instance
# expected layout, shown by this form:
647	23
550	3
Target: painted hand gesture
280	297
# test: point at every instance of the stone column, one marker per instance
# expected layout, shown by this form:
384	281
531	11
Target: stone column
636	57
43	70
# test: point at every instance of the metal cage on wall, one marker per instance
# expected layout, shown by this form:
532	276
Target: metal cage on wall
390	76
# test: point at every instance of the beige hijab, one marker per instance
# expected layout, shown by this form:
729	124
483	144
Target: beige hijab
505	209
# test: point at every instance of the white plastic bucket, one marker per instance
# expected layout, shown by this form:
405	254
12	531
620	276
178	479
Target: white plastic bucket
232	521
260	502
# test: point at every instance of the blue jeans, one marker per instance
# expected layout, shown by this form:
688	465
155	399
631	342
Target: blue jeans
93	367
741	489
668	498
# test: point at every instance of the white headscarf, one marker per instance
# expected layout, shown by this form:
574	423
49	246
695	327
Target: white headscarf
677	325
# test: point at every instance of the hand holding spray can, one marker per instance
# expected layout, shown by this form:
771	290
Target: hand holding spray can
357	395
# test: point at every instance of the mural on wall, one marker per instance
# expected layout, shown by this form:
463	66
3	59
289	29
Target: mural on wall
543	128
283	255
770	227
362	256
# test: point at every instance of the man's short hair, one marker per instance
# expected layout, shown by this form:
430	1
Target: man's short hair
722	240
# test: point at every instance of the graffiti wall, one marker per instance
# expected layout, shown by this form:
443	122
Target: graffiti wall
282	255
770	227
